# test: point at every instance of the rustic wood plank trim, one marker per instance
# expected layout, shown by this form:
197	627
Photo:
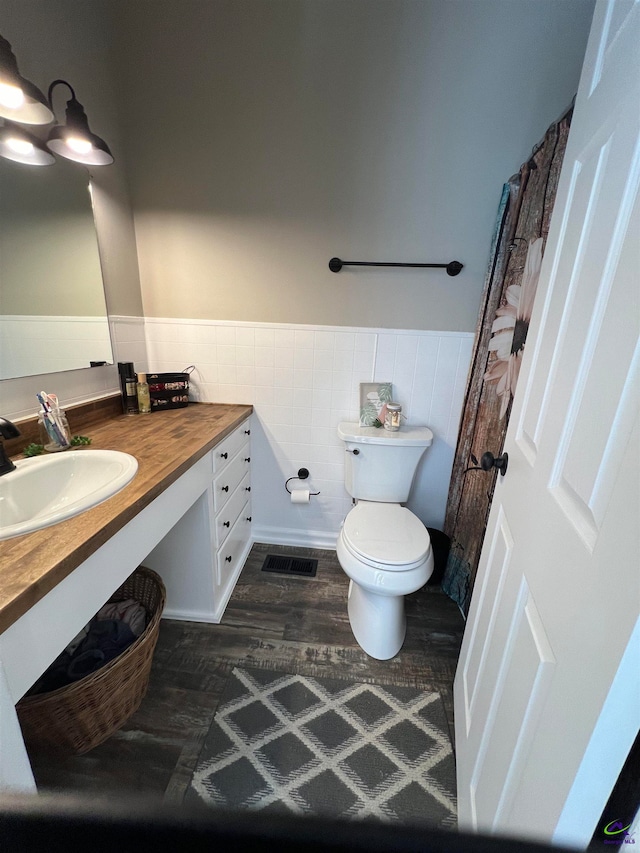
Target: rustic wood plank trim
491	296
531	204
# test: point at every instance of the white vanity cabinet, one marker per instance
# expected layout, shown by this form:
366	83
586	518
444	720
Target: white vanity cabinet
200	579
232	506
186	515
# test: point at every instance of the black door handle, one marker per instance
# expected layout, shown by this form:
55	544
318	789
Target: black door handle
489	461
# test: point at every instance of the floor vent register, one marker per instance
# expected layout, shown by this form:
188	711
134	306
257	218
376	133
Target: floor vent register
284	565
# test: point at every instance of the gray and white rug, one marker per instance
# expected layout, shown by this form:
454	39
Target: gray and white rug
327	747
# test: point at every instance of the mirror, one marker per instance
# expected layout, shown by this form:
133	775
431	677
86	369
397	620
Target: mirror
53	313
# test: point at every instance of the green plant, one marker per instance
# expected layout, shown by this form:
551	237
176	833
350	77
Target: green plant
80	441
33	450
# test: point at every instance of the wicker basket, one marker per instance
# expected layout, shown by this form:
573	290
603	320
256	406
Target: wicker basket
81	715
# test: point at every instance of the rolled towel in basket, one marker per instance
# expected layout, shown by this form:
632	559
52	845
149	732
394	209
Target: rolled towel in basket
130	611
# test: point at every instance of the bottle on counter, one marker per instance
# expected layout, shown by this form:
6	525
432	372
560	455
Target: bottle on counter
144	399
128	383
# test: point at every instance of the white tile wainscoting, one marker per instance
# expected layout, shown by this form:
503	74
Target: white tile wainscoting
17	396
303	380
26	342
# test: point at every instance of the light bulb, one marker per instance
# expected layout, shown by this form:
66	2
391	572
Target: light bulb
20	146
80	146
11	97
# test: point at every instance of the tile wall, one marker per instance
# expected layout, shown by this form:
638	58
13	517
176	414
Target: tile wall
302	381
17	396
26	342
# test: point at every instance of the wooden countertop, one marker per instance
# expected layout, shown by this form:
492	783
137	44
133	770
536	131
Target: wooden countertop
165	444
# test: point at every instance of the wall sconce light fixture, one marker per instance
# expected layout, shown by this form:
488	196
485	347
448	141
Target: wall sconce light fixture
20	100
24	103
74	140
18	144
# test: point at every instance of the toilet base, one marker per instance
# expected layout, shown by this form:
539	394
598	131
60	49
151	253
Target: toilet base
378	622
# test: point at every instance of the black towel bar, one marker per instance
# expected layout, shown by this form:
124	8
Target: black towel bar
335	265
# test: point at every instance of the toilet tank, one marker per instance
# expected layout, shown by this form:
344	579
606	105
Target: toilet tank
385	463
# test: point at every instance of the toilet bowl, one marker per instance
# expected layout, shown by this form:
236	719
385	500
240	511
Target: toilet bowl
383	547
386	552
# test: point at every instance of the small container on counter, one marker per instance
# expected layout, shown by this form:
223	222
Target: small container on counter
392	417
144	398
54	431
169	390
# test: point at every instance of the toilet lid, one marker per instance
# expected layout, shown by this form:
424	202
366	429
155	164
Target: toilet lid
386	533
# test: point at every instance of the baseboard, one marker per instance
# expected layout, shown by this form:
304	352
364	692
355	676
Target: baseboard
292	536
205	615
188	616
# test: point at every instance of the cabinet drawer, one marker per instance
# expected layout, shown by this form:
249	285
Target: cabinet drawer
224	452
228	515
231	552
228	480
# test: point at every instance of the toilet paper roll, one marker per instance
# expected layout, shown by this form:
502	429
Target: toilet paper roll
300	496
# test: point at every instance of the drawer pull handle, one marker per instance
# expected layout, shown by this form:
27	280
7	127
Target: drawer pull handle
247	459
224	456
226	524
247	432
227	559
225	488
247	488
248	518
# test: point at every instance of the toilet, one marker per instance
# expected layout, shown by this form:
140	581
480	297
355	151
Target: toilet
383	547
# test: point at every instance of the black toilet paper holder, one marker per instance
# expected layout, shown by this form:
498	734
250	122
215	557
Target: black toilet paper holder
303	473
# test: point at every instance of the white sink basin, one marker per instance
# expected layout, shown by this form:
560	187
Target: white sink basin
47	489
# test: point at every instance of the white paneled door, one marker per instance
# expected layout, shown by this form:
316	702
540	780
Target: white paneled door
547	698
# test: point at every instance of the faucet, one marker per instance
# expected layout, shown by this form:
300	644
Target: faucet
7	430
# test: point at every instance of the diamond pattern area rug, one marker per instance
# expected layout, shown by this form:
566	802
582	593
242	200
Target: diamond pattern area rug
327	747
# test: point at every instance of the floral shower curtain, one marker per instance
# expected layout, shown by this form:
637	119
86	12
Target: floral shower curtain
510	285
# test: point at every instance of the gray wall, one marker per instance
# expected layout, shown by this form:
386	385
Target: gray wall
265	136
68	39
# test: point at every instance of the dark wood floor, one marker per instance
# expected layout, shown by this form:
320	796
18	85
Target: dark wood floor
272	621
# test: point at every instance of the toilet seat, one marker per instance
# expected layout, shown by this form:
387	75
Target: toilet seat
386	536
